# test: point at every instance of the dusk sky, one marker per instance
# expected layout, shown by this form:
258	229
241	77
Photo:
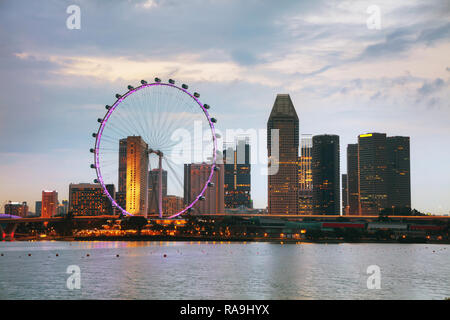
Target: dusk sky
343	78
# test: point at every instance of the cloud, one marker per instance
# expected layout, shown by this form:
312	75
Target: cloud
186	67
148	4
402	39
238	54
431	87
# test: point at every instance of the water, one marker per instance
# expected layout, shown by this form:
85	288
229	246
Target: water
200	270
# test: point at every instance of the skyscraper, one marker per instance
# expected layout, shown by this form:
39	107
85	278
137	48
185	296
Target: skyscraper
399	178
305	187
49	203
153	189
283	181
195	177
373	173
379	175
237	174
326	175
122	183
121	194
344	194
353	179
133	174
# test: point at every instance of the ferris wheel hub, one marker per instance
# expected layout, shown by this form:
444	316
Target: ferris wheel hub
157	152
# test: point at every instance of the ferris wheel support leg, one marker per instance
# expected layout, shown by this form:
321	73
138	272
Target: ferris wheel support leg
160	186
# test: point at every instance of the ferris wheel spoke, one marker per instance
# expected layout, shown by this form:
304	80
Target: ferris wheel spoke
126	119
120	132
109	150
120	121
174	174
138	117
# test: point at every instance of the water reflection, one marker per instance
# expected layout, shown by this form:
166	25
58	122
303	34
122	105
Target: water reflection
222	270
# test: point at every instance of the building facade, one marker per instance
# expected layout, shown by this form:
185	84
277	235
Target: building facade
399	178
88	199
373	173
153	190
172	204
49	203
195	177
305	187
19	209
63	208
283	157
378	175
344	194
237	179
133	174
326	174
38	208
353	180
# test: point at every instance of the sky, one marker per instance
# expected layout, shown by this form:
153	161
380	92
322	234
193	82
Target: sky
344	77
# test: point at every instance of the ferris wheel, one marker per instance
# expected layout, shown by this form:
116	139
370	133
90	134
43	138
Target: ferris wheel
145	142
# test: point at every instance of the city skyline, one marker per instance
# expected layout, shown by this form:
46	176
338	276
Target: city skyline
282	110
343	79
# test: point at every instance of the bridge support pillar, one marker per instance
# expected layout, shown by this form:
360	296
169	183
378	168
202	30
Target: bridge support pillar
7	231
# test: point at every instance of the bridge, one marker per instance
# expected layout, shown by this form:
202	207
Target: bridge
222	215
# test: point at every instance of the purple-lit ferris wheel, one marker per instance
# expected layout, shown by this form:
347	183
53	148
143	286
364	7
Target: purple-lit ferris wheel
144	144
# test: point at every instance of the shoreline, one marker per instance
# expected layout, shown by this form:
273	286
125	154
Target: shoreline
231	239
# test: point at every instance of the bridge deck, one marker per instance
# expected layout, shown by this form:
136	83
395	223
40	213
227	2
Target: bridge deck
290	217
